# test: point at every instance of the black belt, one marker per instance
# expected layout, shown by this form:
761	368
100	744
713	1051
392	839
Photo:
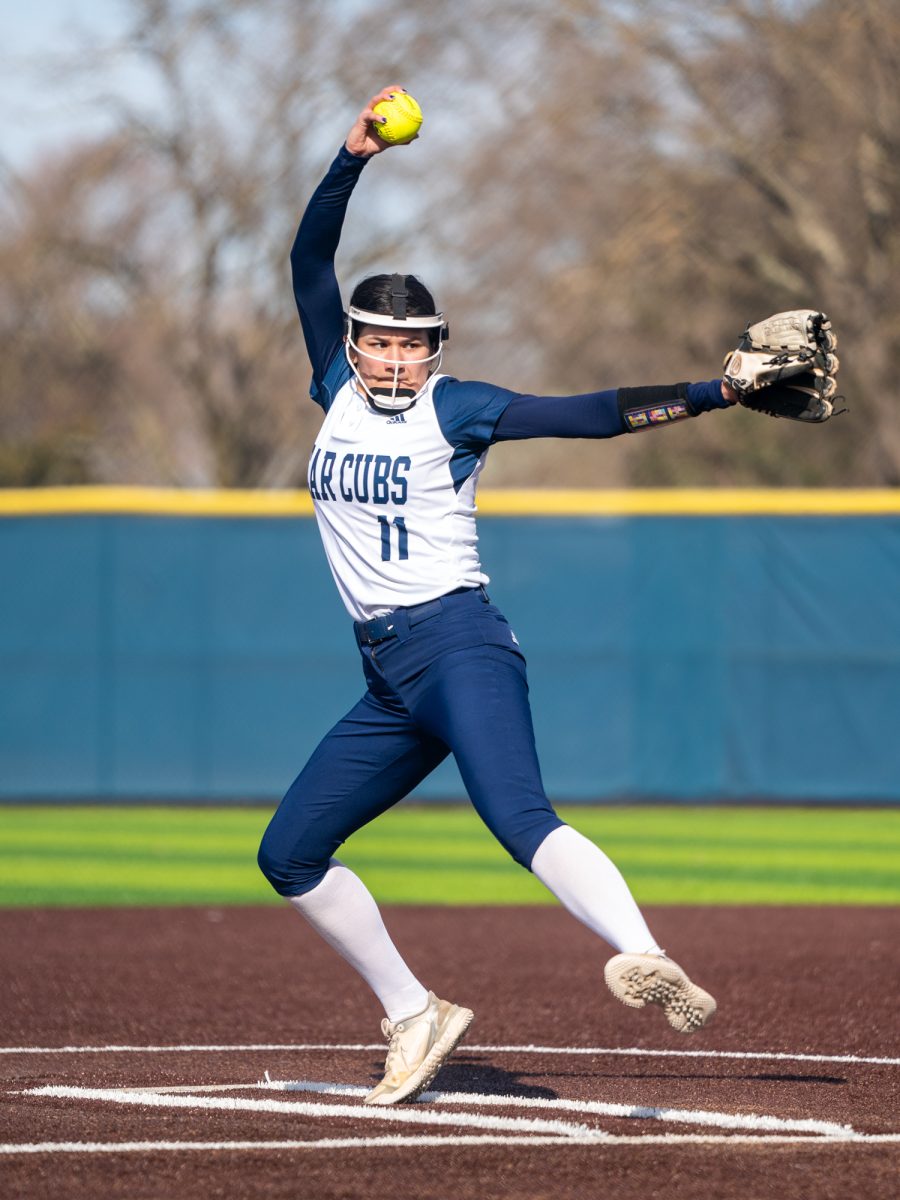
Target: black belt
379	629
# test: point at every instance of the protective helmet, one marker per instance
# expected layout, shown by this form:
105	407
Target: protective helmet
401	315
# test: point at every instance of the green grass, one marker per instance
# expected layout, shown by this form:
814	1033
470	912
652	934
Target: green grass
444	855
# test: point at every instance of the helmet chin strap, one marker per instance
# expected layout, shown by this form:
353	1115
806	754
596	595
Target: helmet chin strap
392	397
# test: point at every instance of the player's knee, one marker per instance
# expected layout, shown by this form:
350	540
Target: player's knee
521	839
517	852
271	861
290	869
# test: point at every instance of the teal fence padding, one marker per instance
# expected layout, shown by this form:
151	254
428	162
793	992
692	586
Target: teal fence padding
680	658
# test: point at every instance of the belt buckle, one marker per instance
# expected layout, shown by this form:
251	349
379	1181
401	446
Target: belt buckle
378	630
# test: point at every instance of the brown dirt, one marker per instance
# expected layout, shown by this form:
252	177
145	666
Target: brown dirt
794	981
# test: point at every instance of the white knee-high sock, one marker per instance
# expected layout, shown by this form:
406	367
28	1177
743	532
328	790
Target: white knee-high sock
342	911
591	887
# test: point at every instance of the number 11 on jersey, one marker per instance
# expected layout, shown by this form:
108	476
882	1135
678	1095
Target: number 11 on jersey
399	524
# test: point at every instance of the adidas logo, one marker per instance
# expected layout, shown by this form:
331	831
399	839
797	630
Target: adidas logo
397	419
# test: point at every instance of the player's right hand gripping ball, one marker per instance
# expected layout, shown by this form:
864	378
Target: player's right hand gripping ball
785	366
403	118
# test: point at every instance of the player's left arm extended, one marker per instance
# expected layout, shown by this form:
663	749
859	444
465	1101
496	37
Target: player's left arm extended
608	413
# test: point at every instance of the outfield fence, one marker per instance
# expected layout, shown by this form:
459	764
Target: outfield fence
682	645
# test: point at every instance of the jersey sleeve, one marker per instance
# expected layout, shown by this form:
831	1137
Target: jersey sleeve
468	412
316	290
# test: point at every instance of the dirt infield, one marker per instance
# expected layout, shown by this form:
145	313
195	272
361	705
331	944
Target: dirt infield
135	1042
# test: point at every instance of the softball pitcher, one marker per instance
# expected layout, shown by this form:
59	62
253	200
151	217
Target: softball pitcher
393	476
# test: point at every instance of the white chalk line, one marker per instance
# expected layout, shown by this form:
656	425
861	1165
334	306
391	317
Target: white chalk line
748	1121
393	1115
391	1141
505	1131
160	1098
365	1047
602	1108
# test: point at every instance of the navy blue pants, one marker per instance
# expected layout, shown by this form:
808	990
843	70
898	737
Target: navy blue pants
447	677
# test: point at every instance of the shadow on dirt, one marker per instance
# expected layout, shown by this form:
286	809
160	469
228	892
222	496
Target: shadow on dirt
482	1078
485	1078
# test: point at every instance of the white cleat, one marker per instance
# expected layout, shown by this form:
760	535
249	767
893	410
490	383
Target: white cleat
639	979
418	1048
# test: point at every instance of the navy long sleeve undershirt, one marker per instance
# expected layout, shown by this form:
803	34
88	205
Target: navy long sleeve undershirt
316	288
318	298
592	415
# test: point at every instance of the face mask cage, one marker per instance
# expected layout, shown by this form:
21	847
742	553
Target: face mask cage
393	396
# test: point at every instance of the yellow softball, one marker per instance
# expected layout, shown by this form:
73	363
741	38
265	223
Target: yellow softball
403	118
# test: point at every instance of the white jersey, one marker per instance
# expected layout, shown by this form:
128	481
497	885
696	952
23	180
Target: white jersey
394	493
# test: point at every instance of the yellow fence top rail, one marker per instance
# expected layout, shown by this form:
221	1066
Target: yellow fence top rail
537	502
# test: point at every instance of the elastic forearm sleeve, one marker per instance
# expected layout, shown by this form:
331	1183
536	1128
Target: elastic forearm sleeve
644	407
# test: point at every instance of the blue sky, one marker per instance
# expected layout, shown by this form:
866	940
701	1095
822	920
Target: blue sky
40	113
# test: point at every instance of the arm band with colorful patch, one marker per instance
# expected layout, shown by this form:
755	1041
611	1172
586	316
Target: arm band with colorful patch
642	407
645	407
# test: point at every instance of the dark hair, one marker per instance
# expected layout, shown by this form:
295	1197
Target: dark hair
375	294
